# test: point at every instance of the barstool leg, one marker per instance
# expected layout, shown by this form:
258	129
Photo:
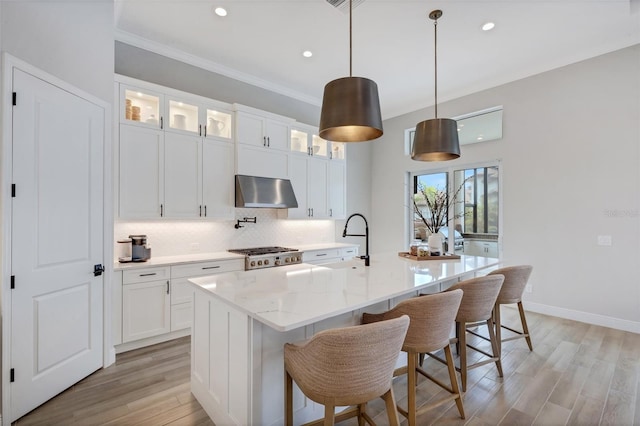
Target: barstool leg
498	329
454	380
288	398
390	403
411	388
525	329
329	413
361	409
494	346
462	342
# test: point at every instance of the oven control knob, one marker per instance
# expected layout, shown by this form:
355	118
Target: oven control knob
266	261
287	259
297	259
259	262
277	262
253	263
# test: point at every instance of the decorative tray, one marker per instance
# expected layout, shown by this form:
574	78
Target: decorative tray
407	255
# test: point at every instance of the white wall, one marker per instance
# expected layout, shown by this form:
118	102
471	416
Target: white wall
571	171
72	40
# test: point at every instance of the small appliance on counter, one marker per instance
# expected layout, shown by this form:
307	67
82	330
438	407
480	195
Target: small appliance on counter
124	250
139	250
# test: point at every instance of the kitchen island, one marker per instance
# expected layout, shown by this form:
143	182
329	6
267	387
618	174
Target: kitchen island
242	320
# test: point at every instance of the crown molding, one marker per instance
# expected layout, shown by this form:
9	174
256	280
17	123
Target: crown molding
197	61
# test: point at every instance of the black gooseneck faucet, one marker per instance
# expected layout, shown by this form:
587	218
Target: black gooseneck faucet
366	235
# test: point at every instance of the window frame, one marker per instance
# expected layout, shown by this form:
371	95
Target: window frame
410	177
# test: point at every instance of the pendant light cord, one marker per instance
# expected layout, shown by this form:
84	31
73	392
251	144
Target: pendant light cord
350	38
435	56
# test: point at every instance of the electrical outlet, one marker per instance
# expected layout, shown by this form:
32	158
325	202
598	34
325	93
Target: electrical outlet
604	240
195	246
528	288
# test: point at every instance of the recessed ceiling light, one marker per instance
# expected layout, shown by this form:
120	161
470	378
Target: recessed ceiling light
220	11
307	54
488	26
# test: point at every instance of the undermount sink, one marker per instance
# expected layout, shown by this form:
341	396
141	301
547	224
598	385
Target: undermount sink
350	264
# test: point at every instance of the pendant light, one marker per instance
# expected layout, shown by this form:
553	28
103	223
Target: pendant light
436	139
350	106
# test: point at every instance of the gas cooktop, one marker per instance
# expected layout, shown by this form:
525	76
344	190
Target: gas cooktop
256	251
267	257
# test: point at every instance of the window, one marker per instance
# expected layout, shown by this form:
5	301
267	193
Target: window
474	214
480	200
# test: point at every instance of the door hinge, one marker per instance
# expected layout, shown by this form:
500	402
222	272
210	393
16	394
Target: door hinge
12	376
13	190
13	282
15	98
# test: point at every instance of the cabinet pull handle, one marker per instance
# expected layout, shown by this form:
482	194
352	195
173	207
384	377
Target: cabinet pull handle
211	267
161	210
147	275
200	129
268	141
311	211
330	212
200	211
167	287
321	254
205	131
205	210
161	123
264	141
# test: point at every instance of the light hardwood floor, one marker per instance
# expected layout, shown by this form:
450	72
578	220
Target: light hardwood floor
577	374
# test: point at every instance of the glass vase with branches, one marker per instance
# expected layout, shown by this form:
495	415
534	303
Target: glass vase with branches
438	202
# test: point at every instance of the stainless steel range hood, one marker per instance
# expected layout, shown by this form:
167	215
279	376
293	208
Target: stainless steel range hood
262	192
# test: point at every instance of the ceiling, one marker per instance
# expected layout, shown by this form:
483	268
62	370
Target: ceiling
261	41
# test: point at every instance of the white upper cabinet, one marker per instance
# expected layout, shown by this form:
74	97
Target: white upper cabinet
337	184
262	129
338	151
141	177
176	155
304	140
141	107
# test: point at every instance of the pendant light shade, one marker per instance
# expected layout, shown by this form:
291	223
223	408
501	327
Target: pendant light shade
350	105
350	110
436	139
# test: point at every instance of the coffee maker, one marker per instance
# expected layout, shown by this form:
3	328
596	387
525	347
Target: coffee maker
139	250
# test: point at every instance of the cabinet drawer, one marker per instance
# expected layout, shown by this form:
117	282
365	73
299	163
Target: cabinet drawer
349	252
319	255
207	268
145	275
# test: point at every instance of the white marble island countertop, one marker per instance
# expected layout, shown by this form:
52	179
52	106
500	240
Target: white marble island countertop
288	297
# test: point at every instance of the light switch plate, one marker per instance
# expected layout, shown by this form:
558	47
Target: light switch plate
604	240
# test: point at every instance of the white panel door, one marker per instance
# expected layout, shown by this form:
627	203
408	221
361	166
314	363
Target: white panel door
141	177
182	175
218	186
57	238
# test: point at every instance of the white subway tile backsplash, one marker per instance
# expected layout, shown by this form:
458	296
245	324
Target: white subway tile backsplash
170	238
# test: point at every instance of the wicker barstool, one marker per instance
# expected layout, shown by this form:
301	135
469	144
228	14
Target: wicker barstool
431	319
476	308
515	281
347	366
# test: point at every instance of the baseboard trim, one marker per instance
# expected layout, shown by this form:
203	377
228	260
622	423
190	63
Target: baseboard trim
586	317
137	344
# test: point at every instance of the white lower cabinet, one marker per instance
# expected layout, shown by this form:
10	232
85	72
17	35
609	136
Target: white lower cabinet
155	304
481	248
332	255
146	303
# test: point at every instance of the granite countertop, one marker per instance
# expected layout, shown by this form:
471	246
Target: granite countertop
293	296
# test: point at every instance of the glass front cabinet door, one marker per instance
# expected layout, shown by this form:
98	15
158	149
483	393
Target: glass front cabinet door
141	107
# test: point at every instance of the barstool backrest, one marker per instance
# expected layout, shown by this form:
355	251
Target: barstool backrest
515	280
479	297
431	316
349	365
